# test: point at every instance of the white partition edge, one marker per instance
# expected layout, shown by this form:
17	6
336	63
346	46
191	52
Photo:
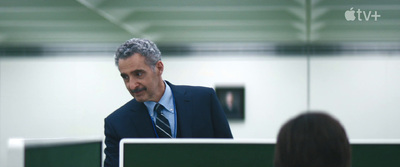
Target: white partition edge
374	141
56	141
205	141
15	153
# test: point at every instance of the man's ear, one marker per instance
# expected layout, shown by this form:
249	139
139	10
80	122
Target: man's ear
160	67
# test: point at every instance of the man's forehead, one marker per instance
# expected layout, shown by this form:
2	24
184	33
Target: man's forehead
132	64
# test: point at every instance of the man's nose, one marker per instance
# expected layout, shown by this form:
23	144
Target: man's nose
132	84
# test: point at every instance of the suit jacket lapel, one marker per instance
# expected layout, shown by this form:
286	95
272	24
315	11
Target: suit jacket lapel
183	110
142	120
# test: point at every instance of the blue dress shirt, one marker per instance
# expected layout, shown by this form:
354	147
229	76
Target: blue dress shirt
169	110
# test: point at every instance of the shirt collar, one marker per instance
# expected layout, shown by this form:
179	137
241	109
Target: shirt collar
166	100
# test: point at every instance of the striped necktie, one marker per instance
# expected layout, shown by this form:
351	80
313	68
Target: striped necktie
162	124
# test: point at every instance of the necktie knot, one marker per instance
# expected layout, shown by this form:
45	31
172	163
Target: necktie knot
157	108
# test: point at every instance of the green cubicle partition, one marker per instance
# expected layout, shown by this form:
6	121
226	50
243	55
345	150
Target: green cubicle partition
376	155
196	153
191	152
239	153
76	152
64	155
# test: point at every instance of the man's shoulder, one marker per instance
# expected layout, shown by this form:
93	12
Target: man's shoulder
123	110
190	87
194	89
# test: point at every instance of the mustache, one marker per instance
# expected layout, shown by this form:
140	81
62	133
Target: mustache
138	89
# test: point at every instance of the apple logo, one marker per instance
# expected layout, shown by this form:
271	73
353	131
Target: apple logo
349	14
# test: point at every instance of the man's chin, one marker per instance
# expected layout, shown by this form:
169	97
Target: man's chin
140	98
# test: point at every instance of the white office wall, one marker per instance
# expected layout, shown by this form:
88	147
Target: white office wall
69	96
275	88
362	91
52	97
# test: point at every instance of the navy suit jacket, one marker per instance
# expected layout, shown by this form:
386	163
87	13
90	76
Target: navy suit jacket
199	115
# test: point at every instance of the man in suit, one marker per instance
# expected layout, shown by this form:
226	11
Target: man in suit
187	111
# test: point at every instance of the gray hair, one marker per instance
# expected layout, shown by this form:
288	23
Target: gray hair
144	47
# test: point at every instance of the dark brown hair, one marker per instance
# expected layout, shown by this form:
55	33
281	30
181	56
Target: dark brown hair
312	139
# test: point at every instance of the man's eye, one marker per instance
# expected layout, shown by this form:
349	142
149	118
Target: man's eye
139	74
125	77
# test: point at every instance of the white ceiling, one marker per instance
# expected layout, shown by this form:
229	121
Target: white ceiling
41	22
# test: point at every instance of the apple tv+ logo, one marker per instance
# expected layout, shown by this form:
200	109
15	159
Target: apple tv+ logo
350	15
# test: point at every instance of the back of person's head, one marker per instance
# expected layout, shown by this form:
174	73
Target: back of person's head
312	139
